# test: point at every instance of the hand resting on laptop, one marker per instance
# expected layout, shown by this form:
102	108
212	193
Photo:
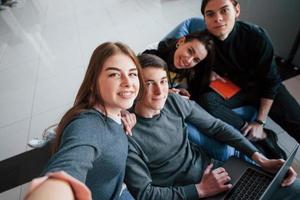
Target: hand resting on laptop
215	181
273	165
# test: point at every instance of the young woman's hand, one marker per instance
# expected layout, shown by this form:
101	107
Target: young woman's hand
273	165
58	185
128	120
213	182
183	92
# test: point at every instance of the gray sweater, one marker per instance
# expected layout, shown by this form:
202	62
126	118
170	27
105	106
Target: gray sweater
94	151
162	163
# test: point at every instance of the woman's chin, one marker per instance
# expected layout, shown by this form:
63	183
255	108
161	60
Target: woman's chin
177	66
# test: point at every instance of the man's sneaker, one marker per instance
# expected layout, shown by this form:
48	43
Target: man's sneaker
269	146
50	134
37	143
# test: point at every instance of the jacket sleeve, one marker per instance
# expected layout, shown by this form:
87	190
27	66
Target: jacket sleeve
139	182
266	69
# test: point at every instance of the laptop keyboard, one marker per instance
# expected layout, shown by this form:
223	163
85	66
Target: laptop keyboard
251	185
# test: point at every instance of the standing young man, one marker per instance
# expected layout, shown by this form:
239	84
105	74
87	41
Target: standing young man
163	164
244	54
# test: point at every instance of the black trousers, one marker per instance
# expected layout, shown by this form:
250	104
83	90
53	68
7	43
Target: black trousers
285	110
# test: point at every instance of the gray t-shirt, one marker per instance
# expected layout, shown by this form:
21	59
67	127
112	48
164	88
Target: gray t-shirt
93	150
162	163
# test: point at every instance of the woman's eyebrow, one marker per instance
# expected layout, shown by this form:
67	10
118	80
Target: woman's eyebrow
118	69
112	68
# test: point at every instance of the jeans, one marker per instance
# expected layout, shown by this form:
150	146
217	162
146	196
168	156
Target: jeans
285	110
125	195
213	147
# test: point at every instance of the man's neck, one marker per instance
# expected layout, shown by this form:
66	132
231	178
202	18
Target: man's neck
145	112
223	37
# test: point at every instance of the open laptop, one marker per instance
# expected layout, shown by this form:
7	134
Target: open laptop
243	173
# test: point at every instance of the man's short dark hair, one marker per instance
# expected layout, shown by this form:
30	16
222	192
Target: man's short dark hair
150	60
204	3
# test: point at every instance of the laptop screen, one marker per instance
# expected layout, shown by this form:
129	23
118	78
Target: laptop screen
280	175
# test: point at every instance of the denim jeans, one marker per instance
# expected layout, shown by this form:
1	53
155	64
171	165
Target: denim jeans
285	110
125	195
213	147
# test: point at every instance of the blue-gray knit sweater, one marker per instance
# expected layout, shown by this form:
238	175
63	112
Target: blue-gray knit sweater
93	149
162	163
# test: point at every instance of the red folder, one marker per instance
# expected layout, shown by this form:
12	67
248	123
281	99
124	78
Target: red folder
225	89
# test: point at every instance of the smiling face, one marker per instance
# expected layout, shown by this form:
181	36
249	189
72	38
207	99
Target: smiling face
156	91
220	16
189	53
118	83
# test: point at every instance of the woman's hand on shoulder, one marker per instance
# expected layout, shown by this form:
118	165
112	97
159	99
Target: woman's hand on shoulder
128	120
181	91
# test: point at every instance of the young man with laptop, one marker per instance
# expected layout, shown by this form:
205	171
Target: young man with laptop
163	164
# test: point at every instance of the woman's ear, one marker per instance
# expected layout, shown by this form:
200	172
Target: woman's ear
180	41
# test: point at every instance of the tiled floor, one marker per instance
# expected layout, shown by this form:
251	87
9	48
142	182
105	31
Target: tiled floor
44	50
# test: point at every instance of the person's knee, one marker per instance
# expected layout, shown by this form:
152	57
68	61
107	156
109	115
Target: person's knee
211	146
224	152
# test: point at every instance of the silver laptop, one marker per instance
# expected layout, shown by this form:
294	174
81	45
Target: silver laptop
251	182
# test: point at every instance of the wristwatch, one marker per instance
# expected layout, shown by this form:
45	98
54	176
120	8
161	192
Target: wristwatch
260	122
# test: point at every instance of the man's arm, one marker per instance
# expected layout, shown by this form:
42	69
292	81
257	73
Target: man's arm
254	130
268	80
265	106
218	129
262	56
139	182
